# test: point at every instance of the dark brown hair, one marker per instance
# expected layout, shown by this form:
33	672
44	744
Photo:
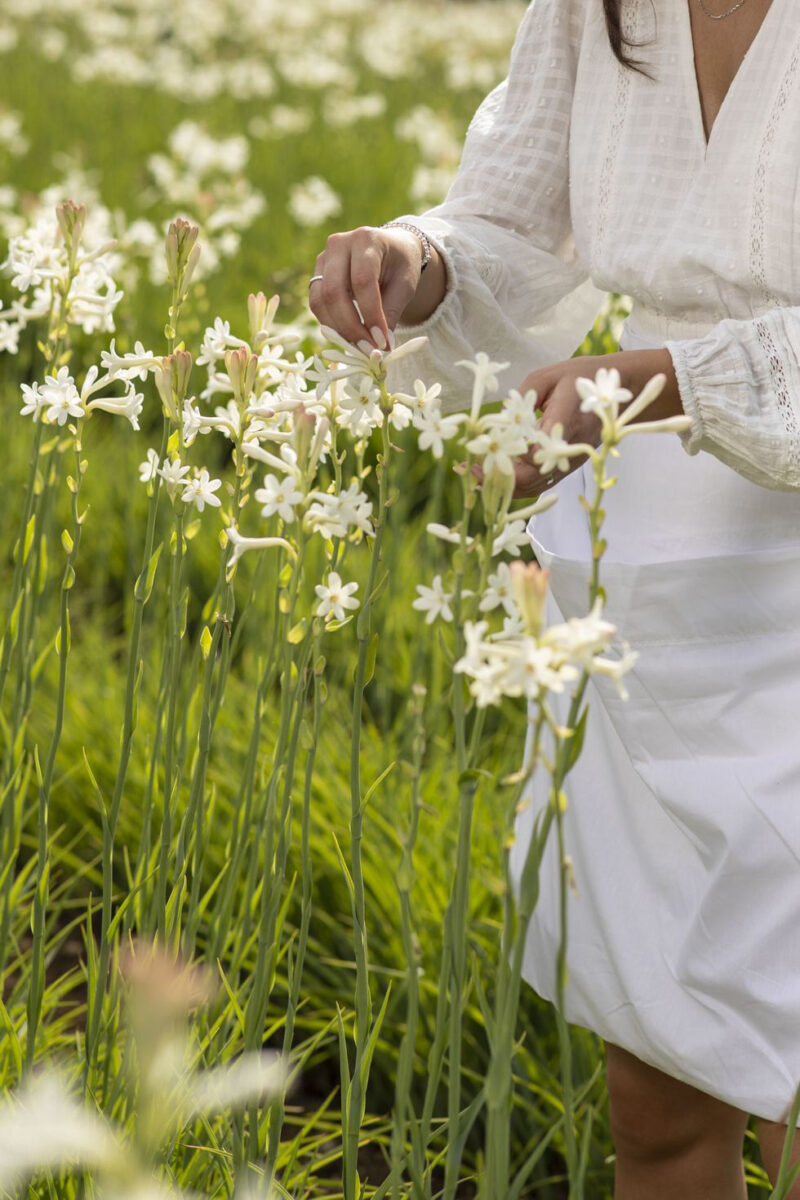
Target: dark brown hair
617	39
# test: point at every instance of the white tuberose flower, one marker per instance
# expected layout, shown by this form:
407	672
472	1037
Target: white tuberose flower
33	401
554	452
498	447
435	429
485	372
60	396
200	491
335	597
242	544
499	591
433	601
279	496
172	472
130	405
149	468
603	395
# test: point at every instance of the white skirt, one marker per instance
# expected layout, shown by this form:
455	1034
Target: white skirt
683	819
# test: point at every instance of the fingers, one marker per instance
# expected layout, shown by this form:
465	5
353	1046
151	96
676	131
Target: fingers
398	293
368	280
331	298
366	263
529	481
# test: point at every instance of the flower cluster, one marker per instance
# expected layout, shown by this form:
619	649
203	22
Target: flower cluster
528	659
61	260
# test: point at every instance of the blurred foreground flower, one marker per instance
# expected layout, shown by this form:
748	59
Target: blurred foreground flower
44	1127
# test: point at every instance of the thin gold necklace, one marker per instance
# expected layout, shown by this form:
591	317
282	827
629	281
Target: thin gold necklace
720	16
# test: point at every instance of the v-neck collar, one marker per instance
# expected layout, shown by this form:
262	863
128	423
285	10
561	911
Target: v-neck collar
761	36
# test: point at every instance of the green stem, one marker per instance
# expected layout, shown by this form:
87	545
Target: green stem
132	681
37	980
405	880
363	997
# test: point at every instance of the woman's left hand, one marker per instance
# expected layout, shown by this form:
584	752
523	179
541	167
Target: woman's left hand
557	396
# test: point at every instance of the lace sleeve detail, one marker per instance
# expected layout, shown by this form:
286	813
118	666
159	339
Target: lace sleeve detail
741	386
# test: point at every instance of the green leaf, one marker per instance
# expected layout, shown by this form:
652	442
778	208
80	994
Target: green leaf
372	656
144	584
206	641
577	739
380	587
372	789
42	579
366	1061
344	1069
297	632
345	868
13	624
28	538
93	780
58	639
66	541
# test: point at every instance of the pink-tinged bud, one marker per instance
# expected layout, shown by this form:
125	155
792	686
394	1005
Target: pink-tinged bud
318	445
183	369
496	493
163	378
256	312
191	263
242	367
529	589
172	382
235	365
303	426
160	991
72	222
180	244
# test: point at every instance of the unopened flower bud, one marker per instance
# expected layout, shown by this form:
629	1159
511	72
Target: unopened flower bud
303	425
163	378
183	368
180	244
256	311
191	263
496	492
172	382
318	445
71	222
242	366
529	589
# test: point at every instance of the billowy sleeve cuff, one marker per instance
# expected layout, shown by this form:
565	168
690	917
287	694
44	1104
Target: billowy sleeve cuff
740	384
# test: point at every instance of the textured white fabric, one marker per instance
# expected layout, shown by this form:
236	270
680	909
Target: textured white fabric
579	177
683	823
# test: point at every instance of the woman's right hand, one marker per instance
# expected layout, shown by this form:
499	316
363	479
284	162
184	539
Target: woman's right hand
379	269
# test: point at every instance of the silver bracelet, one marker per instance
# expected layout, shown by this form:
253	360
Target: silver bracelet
427	252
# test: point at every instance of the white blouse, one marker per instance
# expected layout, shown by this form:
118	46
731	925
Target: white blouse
580	177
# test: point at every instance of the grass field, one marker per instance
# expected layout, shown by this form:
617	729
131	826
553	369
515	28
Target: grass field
271	126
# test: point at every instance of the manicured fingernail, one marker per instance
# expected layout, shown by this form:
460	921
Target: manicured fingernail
378	337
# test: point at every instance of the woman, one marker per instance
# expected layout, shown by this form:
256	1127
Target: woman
672	179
